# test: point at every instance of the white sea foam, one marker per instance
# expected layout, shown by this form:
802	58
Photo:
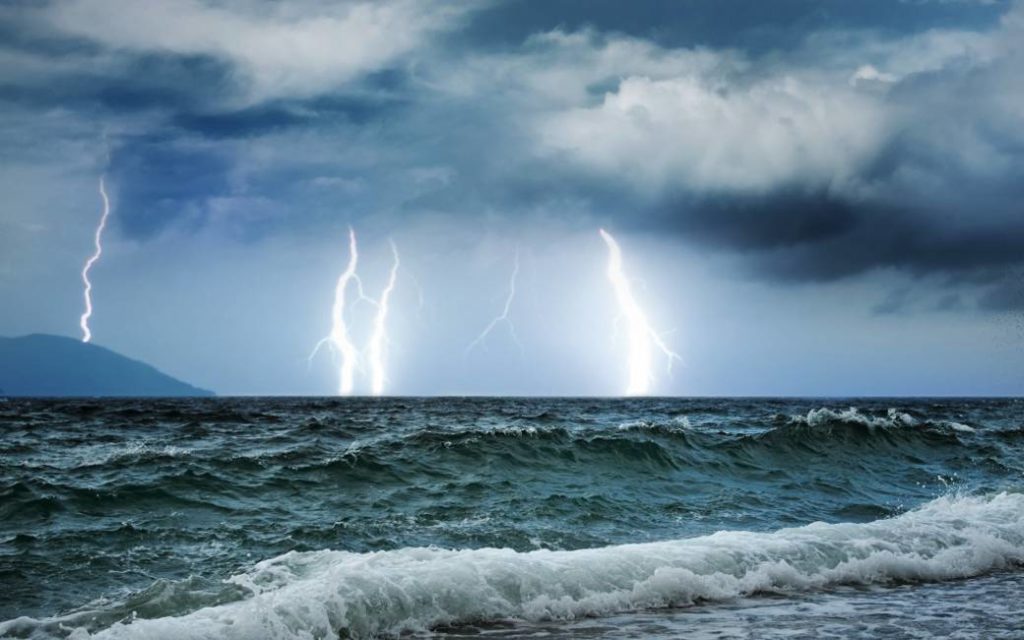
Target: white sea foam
678	422
824	416
958	426
514	431
893	418
326	593
634	425
99	455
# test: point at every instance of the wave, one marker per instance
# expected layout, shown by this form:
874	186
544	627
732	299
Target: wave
825	416
331	594
893	418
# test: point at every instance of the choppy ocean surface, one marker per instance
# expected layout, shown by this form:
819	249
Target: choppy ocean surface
324	518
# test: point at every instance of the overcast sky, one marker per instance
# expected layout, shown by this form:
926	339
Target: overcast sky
812	197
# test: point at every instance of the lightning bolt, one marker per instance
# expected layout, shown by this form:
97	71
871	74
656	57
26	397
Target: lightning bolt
504	317
379	337
98	241
642	338
338	338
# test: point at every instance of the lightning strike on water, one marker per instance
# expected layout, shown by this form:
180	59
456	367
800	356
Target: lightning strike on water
98	241
642	338
379	337
338	338
504	317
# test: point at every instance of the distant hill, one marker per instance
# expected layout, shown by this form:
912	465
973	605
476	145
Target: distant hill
45	365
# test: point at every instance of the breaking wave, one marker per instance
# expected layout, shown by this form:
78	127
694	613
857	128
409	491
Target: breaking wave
893	418
331	594
122	519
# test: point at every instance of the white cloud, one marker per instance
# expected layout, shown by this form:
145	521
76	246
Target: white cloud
278	51
818	116
896	57
560	69
686	131
868	74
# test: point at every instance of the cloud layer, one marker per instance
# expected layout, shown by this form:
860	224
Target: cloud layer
802	142
295	50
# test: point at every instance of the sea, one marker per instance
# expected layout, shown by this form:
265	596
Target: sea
283	518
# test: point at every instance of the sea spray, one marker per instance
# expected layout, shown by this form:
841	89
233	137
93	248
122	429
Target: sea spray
325	594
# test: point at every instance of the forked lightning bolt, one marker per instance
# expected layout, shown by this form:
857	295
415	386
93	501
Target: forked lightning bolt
505	313
339	339
98	241
642	338
379	338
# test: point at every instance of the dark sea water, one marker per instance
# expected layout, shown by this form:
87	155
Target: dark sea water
696	518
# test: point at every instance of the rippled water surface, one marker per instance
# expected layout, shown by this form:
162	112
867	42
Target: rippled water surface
282	518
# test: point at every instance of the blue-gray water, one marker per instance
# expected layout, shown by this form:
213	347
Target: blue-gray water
314	518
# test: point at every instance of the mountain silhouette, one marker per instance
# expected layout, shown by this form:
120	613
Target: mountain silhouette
47	365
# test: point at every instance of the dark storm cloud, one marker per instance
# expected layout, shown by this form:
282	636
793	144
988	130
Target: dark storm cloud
949	302
30	38
944	201
783	219
135	83
165	81
895	302
254	121
378	96
940	194
161	183
795	235
935	187
747	24
49	67
916	250
1007	295
874	149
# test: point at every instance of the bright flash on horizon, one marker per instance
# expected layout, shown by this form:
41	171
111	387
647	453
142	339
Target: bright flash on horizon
98	243
642	338
340	338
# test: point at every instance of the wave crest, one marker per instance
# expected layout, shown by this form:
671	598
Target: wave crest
824	416
332	593
893	419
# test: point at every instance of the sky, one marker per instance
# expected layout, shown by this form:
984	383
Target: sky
812	197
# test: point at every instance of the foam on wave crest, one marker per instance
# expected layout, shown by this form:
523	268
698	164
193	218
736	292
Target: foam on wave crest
892	418
825	416
330	594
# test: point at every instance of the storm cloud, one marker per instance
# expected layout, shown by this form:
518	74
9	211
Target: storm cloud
803	143
793	153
